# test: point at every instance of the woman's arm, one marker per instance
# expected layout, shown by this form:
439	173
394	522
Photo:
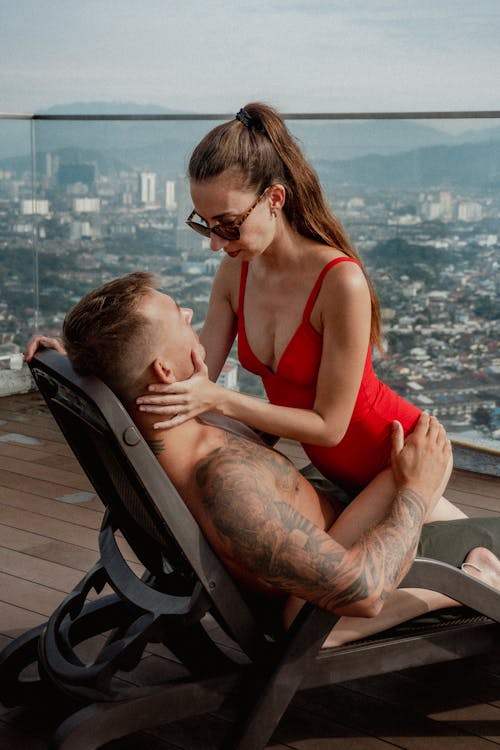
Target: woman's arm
219	329
343	315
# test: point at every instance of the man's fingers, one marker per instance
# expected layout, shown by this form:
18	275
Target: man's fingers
398	438
422	426
437	432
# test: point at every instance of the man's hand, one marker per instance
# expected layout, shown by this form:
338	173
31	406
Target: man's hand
42	342
422	464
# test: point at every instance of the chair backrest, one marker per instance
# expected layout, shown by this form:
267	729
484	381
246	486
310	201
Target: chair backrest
143	503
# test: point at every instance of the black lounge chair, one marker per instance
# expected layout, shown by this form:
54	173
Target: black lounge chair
185	600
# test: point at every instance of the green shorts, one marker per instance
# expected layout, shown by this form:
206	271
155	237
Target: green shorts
451	541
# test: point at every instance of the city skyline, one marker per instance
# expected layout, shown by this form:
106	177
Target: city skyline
431	246
326	55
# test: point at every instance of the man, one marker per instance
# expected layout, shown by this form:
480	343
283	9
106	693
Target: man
272	529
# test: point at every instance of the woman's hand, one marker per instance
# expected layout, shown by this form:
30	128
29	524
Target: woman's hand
182	400
38	342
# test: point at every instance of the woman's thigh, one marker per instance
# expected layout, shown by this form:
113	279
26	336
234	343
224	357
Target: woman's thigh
372	505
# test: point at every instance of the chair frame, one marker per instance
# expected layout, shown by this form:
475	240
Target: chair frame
184	584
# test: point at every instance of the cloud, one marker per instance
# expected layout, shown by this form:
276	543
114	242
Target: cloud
321	55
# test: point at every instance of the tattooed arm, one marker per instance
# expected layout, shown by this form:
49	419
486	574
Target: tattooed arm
255	526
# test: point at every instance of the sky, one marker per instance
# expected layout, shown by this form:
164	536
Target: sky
215	55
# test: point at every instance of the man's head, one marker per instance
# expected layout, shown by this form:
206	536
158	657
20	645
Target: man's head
129	334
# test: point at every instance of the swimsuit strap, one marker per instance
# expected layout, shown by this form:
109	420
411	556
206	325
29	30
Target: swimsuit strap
243	283
315	290
314	293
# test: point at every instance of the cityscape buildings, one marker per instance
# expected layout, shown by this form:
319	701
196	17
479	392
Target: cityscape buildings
432	251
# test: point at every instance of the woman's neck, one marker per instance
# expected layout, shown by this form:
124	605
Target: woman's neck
284	251
288	251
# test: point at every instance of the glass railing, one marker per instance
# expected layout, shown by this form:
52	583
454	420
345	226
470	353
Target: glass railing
86	198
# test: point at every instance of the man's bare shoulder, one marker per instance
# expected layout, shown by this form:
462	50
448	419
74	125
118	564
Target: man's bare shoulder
248	462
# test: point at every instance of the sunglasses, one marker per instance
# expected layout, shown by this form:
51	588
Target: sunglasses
227	231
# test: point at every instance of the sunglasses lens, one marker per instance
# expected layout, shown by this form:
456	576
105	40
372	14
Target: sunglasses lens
227	232
200	228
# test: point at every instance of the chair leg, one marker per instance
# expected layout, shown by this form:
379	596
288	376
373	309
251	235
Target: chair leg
254	730
99	723
15	689
273	688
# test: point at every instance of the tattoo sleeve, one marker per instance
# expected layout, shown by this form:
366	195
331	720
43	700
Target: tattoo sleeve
245	492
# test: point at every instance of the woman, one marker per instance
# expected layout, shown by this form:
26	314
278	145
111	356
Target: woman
293	289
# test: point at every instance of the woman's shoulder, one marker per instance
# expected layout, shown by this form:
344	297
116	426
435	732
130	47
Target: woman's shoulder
229	270
342	276
227	281
335	265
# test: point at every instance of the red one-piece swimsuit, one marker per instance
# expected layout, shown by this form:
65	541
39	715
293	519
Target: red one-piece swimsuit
366	445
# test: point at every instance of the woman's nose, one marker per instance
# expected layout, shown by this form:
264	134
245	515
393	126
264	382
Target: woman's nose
188	314
217	243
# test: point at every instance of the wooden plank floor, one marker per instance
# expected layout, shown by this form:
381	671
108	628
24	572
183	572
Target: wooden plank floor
49	518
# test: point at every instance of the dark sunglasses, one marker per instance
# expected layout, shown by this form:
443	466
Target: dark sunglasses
227	231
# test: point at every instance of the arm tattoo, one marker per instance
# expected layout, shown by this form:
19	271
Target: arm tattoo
157	446
247	493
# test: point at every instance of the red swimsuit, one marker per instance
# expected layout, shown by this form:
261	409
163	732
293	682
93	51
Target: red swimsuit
365	448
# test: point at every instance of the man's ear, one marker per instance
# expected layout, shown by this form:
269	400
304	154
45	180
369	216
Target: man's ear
162	371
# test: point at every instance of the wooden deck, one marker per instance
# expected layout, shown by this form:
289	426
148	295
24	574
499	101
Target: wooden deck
49	518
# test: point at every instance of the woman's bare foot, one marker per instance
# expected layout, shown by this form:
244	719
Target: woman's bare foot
483	564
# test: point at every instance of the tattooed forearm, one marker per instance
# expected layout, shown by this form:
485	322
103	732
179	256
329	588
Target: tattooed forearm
247	494
391	545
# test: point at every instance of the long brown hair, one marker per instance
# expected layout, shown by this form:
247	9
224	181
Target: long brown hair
261	149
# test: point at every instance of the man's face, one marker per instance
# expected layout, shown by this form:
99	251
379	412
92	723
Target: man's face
174	337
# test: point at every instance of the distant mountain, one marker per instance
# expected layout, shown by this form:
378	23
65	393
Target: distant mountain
348	140
107	108
105	162
15	135
469	164
331	140
466	165
476	136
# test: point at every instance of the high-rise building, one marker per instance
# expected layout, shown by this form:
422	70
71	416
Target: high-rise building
469	211
186	239
446	202
170	202
147	188
86	205
431	210
40	207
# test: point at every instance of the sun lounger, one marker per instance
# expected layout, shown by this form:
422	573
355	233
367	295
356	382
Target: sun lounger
223	642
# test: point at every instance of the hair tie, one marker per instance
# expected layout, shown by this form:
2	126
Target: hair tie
245	118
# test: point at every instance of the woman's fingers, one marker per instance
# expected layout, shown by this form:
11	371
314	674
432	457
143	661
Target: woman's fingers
42	342
174	422
156	408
